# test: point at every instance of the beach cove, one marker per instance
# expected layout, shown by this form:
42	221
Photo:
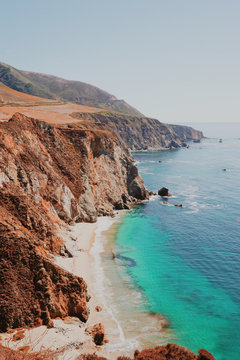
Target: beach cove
143	266
90	245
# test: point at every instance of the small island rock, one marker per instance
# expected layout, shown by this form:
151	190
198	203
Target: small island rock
163	192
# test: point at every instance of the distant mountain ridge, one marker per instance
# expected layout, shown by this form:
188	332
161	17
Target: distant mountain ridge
52	87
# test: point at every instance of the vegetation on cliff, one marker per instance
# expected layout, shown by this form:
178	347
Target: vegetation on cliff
52	87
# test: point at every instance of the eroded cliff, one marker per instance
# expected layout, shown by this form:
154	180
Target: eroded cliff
140	133
50	177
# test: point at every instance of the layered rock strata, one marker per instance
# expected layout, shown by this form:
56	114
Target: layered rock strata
140	133
50	177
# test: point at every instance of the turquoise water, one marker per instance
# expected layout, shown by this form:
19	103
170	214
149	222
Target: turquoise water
186	261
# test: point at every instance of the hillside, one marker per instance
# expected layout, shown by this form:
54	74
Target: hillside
52	87
137	133
140	133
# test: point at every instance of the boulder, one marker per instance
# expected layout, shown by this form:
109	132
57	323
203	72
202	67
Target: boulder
163	192
98	333
204	355
98	308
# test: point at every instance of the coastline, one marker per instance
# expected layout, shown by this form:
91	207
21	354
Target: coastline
68	337
88	243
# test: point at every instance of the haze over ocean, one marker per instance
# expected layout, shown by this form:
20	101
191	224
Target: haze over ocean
187	259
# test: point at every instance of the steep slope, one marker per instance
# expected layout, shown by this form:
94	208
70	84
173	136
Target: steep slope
140	133
11	97
187	132
50	177
53	87
134	130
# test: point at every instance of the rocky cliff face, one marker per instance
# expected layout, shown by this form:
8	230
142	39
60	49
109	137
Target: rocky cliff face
187	132
50	177
141	133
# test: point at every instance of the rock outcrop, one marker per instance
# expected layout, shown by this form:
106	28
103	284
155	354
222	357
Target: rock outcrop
98	333
163	192
164	352
169	352
187	133
73	174
140	133
50	177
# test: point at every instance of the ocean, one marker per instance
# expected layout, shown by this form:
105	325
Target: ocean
176	275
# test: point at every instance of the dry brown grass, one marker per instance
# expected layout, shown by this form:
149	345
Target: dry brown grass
20	354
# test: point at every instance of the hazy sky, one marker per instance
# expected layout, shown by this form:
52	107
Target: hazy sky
175	60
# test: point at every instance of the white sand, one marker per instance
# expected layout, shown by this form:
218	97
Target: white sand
68	337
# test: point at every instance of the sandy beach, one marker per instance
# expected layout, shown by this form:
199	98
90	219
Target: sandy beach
120	302
68	338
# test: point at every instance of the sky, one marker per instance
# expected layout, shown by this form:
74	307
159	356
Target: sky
174	60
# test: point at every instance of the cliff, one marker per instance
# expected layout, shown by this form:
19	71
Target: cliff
73	167
187	132
136	133
140	133
50	177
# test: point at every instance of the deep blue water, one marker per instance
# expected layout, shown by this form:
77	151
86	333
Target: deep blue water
187	260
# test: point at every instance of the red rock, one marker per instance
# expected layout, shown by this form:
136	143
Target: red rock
205	355
19	335
50	177
169	352
98	333
91	357
98	308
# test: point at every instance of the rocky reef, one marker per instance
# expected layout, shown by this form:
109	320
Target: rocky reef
50	177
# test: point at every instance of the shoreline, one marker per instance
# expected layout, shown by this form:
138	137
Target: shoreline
68	337
88	242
